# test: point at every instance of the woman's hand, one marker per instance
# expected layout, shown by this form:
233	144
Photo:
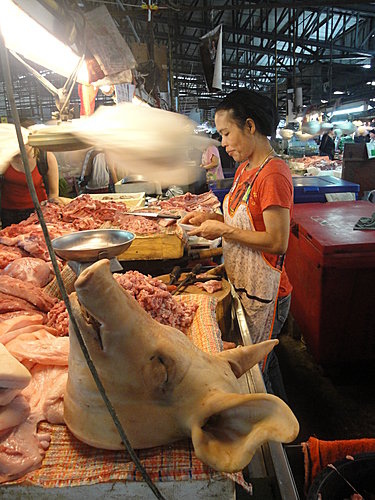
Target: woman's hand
210	229
196	218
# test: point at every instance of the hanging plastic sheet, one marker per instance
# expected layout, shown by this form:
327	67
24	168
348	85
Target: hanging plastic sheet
211	54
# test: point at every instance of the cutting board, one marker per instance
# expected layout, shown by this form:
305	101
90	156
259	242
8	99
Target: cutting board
223	299
155	247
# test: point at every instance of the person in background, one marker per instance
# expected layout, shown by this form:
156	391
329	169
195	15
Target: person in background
212	164
372	135
345	139
327	145
256	216
16	201
227	163
98	175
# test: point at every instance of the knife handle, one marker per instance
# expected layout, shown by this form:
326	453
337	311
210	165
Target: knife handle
174	274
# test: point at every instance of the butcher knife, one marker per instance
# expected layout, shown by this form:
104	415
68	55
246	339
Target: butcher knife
189	278
156	215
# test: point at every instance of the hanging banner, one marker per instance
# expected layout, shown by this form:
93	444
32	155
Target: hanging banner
87	95
211	50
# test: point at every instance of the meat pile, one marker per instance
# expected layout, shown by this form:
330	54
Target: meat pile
153	296
150	293
22	296
33	376
321	162
188	202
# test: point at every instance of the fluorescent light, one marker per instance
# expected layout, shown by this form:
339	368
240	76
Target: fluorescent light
323	101
338	92
28	38
348	111
366	66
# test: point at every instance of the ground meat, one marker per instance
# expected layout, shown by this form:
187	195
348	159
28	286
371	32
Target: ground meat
153	296
58	318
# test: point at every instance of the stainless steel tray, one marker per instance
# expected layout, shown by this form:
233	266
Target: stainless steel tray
89	246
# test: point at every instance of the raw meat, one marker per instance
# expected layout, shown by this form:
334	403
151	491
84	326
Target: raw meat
7	395
14	314
205	202
14	413
13	375
12	334
27	291
10	303
20	322
22	450
58	318
153	296
9	254
210	286
30	269
40	347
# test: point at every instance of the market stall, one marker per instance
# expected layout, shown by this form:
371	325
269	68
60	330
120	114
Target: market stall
87	470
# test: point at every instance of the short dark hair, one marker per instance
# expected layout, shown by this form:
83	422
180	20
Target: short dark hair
245	103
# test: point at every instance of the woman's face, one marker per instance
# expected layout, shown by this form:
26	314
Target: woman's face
238	142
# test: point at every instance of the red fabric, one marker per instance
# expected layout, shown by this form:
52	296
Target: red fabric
273	187
15	192
318	454
87	95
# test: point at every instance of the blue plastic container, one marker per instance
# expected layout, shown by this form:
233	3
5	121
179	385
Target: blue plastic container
221	193
313	189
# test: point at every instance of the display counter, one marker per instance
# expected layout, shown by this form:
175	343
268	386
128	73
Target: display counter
72	469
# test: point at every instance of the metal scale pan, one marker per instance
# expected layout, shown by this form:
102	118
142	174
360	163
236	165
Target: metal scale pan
83	248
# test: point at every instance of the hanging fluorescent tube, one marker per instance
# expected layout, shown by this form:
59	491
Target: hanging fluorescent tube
28	38
349	111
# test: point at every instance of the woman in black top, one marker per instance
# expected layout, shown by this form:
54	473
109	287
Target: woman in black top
327	145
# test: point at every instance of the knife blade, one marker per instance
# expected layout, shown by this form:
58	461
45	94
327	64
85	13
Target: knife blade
189	277
155	215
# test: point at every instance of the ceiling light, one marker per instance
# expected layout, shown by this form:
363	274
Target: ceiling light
338	92
348	111
25	36
366	66
323	101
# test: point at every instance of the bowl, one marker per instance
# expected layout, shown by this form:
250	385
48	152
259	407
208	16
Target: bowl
187	227
92	245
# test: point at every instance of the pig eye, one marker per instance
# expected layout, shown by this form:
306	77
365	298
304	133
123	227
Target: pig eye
160	371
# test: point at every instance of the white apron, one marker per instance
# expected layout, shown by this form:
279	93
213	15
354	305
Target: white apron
255	280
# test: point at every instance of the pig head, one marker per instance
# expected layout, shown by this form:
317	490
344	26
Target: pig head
162	387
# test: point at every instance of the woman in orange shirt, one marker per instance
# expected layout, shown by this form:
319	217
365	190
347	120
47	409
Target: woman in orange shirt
16	202
256	220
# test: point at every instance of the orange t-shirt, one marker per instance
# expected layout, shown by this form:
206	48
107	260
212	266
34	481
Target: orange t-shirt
272	187
15	194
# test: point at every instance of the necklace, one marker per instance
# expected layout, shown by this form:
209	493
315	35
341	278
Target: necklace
244	193
271	152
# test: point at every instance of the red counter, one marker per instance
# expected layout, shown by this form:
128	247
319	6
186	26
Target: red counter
332	270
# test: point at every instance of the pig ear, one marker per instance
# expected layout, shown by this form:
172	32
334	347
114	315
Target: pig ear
235	425
242	359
